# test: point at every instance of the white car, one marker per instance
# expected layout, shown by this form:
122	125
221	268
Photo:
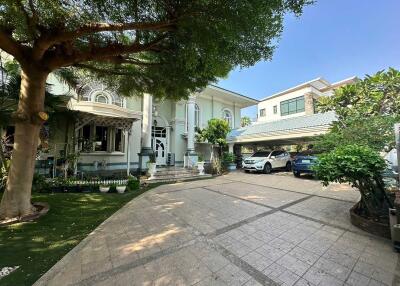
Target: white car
266	161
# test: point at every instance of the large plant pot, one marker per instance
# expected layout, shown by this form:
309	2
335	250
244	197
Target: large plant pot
231	167
121	189
104	189
370	226
200	167
152	170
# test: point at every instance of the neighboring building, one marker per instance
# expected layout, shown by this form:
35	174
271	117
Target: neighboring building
296	101
115	133
289	117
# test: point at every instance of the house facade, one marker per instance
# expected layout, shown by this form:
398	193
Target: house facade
112	133
289	117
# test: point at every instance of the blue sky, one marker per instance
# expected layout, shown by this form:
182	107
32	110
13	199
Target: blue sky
334	39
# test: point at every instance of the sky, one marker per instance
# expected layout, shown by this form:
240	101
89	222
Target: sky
333	39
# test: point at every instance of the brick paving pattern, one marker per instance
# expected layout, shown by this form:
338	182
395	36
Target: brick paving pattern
239	229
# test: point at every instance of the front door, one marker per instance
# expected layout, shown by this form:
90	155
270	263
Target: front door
160	150
159	143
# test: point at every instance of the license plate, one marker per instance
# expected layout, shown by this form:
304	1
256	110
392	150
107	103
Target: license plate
306	161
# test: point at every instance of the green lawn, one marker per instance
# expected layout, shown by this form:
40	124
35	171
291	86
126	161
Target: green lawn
37	246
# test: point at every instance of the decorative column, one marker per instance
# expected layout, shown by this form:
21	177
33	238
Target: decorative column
190	155
309	103
230	145
147	121
128	153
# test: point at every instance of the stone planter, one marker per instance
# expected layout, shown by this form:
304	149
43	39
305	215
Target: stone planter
370	226
121	189
200	167
152	170
231	167
104	189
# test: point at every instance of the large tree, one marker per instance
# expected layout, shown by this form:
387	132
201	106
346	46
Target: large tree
366	112
167	48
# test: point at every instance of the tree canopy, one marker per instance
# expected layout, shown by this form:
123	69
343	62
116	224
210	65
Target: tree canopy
245	121
215	133
166	48
366	112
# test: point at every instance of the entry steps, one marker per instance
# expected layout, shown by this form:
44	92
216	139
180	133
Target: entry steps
173	174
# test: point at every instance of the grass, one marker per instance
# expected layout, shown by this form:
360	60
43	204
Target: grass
37	246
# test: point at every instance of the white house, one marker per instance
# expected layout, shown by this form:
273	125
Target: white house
113	133
289	117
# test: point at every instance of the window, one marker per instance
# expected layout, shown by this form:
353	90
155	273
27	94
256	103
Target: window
262	112
196	116
275	109
101	139
291	106
101	98
227	116
119	142
101	136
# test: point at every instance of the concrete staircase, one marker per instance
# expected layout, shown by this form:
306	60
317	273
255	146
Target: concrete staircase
173	174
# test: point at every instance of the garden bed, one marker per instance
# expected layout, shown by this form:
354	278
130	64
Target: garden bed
34	247
368	225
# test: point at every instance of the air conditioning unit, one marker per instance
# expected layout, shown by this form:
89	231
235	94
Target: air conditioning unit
171	159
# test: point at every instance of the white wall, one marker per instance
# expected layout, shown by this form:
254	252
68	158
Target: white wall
269	104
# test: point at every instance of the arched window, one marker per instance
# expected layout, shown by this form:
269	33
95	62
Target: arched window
227	115
196	116
101	98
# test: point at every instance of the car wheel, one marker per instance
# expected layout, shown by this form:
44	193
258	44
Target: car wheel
267	168
296	173
246	171
288	166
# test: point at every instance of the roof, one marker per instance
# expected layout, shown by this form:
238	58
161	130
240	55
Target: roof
318	83
284	126
319	80
224	95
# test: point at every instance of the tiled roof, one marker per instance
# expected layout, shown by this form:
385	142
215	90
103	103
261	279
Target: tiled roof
289	124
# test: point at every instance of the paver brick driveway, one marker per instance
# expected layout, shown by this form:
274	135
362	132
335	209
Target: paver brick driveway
239	229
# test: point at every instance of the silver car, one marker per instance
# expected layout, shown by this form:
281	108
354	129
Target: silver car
266	161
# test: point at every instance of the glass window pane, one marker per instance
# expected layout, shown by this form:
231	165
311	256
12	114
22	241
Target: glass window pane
300	104
101	138
284	108
118	140
292	106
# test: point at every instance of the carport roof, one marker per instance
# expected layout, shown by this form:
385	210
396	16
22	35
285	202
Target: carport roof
307	123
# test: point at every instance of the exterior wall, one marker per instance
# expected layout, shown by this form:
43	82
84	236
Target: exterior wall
212	103
268	104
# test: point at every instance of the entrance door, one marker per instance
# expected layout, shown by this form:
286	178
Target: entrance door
159	142
160	151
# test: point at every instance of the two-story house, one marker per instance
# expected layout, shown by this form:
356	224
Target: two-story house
110	132
289	117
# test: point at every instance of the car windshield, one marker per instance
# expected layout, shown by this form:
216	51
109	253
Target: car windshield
261	154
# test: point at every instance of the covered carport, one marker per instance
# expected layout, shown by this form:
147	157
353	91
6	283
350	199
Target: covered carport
291	131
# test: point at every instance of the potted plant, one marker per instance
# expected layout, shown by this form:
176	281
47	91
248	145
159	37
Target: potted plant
151	165
229	160
121	188
104	188
200	165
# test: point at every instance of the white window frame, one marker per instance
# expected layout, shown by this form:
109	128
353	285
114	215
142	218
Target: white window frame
232	117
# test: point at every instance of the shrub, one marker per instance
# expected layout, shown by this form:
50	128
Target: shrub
361	167
133	184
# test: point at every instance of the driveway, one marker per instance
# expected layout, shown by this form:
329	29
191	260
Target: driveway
238	229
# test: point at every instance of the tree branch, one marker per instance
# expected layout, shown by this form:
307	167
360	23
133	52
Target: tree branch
103	71
101	53
48	40
10	46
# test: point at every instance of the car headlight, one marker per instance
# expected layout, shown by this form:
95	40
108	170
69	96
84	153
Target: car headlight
258	161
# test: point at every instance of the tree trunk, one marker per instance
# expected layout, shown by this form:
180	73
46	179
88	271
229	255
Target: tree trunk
16	200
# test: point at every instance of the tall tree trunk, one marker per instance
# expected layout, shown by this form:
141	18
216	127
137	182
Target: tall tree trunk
16	200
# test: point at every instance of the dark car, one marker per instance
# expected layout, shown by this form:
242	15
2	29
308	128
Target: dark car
303	164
